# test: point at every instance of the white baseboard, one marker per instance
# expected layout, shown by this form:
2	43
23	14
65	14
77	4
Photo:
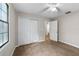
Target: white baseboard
41	40
13	51
30	43
70	44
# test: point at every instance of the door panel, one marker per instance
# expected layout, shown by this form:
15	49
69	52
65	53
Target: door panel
53	30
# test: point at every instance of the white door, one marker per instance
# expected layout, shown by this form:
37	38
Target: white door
53	30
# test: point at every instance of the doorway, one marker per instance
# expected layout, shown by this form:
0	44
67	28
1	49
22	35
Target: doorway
53	30
47	35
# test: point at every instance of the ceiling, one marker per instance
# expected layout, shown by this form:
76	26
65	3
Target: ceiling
36	8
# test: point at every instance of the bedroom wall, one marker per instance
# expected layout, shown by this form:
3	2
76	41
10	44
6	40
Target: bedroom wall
69	29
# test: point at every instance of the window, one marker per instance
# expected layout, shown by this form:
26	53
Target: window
4	24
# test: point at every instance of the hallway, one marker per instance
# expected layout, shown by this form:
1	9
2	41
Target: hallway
46	48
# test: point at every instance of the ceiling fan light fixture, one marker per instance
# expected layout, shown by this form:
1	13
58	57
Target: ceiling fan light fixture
53	9
53	6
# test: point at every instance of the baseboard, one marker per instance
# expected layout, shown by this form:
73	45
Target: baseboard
13	51
30	43
69	44
41	40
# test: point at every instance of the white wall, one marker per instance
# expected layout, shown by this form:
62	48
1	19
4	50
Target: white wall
53	30
10	46
30	30
16	30
69	29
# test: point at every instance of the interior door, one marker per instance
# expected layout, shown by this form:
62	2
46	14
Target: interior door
53	30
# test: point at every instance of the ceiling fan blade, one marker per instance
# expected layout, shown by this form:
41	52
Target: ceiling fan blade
59	11
45	9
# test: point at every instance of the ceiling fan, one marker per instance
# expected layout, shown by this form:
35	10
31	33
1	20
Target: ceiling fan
51	6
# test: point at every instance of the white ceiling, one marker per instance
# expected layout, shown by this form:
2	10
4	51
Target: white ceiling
36	8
